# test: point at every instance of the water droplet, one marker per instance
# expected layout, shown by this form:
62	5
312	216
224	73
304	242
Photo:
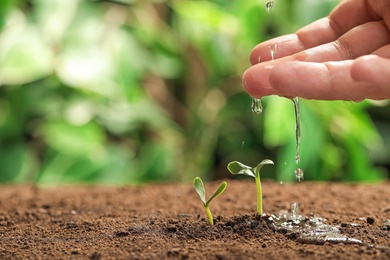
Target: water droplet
294	210
297	157
299	174
269	5
272	50
257	107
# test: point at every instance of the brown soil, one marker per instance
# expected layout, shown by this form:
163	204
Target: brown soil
168	221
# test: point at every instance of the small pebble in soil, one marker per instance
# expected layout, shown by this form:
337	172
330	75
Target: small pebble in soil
386	225
121	234
95	256
370	220
344	225
171	229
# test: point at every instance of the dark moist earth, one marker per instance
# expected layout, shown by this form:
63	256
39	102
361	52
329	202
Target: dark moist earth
168	221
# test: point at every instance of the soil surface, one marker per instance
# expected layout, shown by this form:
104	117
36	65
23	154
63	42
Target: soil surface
168	221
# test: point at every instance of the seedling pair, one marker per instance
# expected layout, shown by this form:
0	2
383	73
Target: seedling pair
235	168
199	187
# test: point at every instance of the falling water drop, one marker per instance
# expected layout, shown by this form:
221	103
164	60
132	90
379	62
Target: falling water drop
299	174
269	5
297	157
297	128
257	107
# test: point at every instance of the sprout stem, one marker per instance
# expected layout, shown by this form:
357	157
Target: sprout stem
209	215
259	195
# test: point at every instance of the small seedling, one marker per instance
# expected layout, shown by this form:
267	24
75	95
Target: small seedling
199	187
240	168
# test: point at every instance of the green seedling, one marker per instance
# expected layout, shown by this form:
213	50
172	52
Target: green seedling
199	187
240	168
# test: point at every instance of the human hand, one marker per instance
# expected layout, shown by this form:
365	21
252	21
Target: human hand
345	56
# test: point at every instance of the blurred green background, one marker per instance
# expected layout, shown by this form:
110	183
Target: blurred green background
128	92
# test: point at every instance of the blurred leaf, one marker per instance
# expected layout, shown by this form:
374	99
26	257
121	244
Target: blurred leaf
73	140
279	121
11	162
24	57
361	169
318	9
208	14
53	18
5	7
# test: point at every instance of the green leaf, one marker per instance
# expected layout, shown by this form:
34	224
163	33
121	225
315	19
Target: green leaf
199	187
260	165
219	191
264	162
239	168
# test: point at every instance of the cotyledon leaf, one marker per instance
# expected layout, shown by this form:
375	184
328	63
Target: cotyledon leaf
240	168
220	189
199	187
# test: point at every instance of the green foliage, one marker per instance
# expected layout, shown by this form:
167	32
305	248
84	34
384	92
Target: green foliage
199	187
237	168
133	91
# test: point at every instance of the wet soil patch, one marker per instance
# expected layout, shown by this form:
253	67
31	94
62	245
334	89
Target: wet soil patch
160	221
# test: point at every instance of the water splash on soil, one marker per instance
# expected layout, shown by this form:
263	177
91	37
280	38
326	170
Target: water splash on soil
308	230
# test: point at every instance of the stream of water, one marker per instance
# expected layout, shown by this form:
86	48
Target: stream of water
299	174
257	108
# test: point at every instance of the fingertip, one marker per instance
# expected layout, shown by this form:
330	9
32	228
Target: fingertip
254	56
249	83
255	81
